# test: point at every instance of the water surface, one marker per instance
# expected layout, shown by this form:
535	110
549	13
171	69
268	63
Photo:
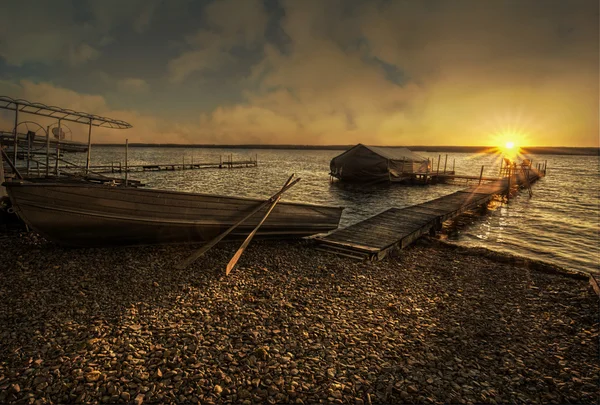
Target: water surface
559	224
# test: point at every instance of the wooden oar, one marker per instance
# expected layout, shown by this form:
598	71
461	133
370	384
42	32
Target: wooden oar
244	245
194	256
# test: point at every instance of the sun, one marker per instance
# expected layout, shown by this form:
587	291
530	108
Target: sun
509	145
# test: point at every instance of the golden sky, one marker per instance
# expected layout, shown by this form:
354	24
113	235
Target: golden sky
434	72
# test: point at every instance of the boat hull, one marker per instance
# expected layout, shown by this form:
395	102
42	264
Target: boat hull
99	215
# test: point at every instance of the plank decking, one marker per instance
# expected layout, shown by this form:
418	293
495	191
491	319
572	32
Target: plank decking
397	228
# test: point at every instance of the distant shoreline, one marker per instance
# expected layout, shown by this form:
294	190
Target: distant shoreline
541	150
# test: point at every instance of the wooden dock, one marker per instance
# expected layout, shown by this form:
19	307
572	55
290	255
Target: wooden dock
118	167
397	228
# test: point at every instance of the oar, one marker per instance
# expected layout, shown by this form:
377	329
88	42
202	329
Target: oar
244	245
194	256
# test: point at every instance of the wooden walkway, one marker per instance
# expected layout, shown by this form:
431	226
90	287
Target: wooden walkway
118	167
397	228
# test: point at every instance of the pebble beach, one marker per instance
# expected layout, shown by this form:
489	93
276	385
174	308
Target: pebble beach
435	324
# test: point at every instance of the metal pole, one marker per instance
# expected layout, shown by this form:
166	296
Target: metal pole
445	162
57	149
29	140
89	151
126	160
15	130
3	192
48	151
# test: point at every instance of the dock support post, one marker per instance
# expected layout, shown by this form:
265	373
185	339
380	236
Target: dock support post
256	160
438	166
453	162
15	133
48	151
509	180
545	163
480	174
126	161
183	162
445	162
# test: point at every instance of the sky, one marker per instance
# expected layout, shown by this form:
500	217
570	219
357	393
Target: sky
320	72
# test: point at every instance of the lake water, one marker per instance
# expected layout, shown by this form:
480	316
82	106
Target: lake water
559	224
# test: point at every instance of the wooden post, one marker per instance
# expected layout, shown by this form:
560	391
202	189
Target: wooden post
183	162
16	139
48	151
126	161
89	151
545	163
438	166
481	175
509	180
256	160
445	162
453	161
427	172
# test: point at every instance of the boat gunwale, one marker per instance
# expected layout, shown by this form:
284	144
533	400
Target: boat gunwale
138	218
154	190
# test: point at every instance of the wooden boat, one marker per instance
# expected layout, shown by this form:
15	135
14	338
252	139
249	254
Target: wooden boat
84	214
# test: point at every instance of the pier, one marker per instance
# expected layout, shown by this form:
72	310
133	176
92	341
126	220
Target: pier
229	163
375	237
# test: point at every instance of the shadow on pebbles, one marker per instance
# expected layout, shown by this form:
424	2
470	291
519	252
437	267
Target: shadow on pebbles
290	325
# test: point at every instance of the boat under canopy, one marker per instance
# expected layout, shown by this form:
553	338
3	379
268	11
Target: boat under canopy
363	163
83	214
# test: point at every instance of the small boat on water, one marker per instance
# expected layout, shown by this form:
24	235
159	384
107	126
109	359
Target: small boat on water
86	214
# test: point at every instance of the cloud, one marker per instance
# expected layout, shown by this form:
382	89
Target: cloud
82	54
472	70
146	128
66	32
229	24
142	21
385	72
132	85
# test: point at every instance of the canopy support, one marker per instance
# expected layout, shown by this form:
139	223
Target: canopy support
15	130
89	150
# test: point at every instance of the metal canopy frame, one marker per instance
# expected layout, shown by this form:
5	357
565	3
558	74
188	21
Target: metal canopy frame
62	114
